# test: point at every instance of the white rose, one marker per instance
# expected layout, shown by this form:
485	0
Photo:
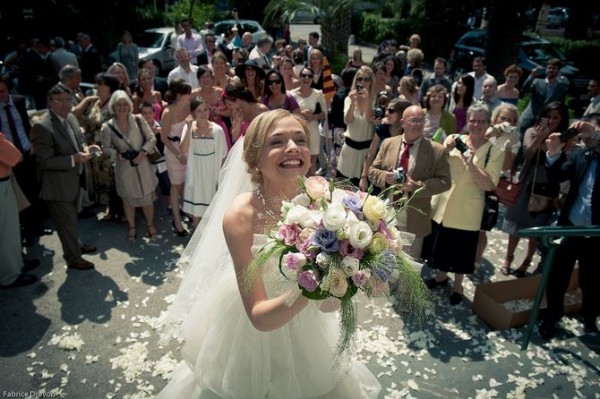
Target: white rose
337	283
338	196
350	265
334	218
323	260
360	235
297	215
301	199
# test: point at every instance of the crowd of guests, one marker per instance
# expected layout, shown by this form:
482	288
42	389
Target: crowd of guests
138	136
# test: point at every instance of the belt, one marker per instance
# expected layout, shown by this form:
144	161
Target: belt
5	178
174	138
357	145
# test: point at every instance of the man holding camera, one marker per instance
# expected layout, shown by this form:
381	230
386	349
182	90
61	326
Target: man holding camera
61	155
414	162
581	208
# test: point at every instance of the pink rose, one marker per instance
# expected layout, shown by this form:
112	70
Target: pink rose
309	280
316	187
288	233
346	249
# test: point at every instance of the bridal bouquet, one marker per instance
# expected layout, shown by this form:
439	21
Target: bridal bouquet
334	242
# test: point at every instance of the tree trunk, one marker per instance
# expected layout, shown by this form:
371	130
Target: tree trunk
505	29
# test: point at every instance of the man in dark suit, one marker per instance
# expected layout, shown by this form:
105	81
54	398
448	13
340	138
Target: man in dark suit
61	155
160	84
36	72
90	62
581	208
426	167
543	90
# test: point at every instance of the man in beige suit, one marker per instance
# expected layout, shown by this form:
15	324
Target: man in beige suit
426	166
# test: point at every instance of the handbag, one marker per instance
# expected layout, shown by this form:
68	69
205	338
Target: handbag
508	191
538	202
154	155
490	204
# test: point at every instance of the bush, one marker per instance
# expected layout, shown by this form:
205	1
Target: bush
580	52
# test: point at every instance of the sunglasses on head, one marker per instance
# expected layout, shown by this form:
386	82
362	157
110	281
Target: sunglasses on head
391	110
274	82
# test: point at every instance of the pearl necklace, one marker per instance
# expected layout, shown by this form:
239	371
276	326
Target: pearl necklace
267	212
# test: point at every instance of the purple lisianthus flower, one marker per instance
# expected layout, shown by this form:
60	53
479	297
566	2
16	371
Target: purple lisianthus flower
288	233
305	249
359	278
309	280
348	250
353	203
326	240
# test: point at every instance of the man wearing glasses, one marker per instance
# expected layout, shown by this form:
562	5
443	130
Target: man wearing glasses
60	155
414	163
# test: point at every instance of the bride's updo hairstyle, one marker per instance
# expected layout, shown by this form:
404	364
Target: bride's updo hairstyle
257	133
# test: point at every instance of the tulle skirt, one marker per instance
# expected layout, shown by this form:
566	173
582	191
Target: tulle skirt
225	356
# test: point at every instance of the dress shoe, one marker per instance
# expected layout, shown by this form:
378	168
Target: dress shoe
432	283
547	330
21	281
30	264
455	298
180	233
88	249
81	265
86	214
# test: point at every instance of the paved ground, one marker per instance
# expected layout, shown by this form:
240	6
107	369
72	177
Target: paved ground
90	334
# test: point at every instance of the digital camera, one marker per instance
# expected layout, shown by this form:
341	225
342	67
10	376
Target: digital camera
379	112
400	175
460	145
568	134
359	87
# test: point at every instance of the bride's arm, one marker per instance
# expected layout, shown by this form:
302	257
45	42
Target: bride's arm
265	313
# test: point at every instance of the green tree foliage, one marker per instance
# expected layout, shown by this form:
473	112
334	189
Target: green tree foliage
197	11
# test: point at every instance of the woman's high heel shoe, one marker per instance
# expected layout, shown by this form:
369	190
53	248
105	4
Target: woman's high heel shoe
132	235
505	269
522	270
151	229
181	233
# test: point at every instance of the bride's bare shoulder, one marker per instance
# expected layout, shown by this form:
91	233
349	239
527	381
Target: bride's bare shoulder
240	215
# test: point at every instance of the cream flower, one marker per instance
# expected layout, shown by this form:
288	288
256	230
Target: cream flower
316	187
374	208
334	218
336	282
360	235
350	265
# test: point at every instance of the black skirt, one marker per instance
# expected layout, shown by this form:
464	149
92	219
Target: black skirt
453	250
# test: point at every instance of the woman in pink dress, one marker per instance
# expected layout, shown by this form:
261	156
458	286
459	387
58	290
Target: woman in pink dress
174	119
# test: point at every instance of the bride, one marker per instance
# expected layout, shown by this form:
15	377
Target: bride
264	339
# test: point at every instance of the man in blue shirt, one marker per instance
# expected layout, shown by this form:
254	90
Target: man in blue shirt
581	208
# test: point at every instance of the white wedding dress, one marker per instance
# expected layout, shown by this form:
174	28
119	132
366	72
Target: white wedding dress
224	355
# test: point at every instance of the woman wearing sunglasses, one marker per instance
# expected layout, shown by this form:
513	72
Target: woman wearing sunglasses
276	96
391	126
360	128
313	108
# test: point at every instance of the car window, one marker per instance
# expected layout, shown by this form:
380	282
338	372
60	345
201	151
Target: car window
223	28
474	41
542	52
249	28
149	39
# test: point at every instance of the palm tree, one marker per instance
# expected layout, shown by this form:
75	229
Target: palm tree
335	24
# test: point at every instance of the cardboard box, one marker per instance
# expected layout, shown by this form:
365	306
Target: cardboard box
490	298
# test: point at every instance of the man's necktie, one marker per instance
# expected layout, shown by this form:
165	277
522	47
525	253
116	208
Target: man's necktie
405	156
13	128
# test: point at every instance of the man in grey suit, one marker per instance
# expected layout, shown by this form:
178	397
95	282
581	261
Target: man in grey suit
426	167
543	90
61	155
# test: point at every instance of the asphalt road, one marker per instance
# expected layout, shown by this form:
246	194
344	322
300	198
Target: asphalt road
91	334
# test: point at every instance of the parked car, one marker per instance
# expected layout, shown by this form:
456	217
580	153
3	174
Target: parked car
305	16
534	51
222	28
156	44
558	17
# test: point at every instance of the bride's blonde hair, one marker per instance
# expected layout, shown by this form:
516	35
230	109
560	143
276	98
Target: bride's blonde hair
257	133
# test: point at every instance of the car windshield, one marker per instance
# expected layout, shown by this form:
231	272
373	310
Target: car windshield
149	39
541	52
223	27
